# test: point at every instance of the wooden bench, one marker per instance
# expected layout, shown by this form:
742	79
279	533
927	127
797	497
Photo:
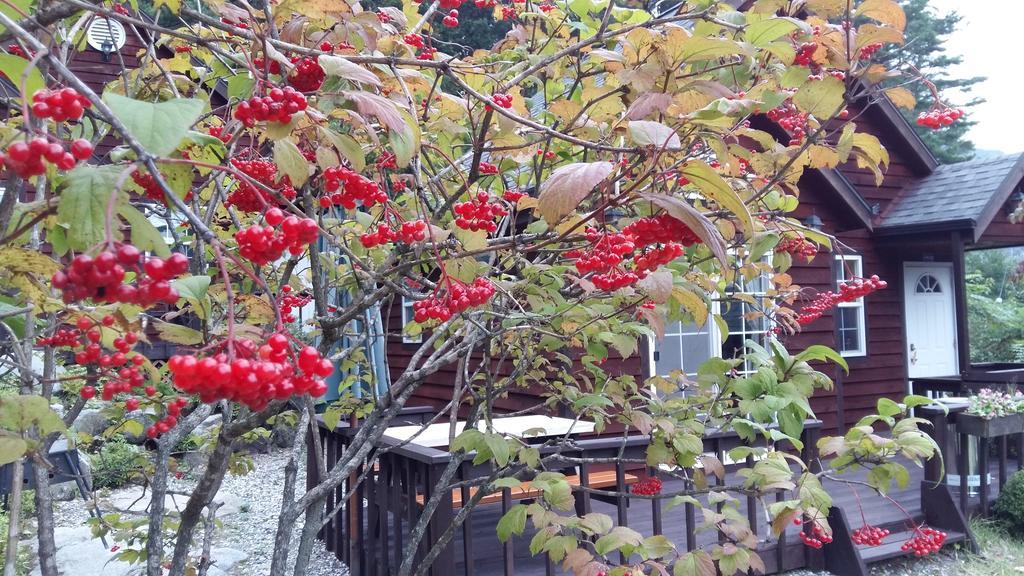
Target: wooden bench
525	491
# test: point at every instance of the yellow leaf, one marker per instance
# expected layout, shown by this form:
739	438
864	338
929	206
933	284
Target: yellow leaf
693	303
901	97
872	34
827	8
715	188
821	157
28	261
883	11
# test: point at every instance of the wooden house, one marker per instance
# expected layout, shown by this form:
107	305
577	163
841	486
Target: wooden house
911	230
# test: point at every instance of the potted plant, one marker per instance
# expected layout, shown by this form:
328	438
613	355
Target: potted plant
991	413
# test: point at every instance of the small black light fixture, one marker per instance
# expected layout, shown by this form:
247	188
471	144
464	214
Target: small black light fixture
107	48
813	222
1014	201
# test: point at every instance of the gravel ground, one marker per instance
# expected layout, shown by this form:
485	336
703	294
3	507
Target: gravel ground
252	528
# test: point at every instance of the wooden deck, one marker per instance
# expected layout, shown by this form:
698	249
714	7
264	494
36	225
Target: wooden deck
487	557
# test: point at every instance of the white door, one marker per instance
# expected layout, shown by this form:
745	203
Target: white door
931	322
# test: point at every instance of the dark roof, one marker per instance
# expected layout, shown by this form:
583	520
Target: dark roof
966	195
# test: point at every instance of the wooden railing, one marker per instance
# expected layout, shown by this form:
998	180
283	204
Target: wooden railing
370	531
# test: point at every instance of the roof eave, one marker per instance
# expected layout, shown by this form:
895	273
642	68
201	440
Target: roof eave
997	200
926	227
849	195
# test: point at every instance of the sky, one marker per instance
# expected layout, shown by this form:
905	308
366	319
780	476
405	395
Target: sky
986	38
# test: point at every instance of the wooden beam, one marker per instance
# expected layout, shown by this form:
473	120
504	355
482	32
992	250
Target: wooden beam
960	302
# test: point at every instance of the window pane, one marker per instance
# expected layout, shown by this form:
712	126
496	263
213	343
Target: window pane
669	355
696	350
849	328
674	327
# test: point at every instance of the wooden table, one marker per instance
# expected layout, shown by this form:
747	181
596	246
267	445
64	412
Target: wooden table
532	426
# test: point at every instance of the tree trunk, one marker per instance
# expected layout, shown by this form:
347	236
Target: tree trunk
155	533
14	518
44	520
201	497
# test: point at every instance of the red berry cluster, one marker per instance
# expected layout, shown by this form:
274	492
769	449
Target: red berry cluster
253	375
545	8
427	53
924	541
939	117
271	66
458	297
816	539
101	279
307	76
449	4
150	188
247	197
804	54
346	187
29	159
502	100
288	302
122	370
790	119
15	50
513	196
277	106
479	213
869	50
452	19
648	486
606	252
868	535
264	244
409	232
218	132
848	292
60	105
660	229
485	3
657	256
486	168
508	13
414	40
387	161
796	245
170	420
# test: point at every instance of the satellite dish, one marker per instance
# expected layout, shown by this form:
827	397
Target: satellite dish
105	35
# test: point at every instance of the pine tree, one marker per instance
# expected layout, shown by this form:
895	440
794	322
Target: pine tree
925	50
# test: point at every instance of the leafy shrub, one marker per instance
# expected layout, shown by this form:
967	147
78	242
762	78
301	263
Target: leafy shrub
1009	506
115	464
24	562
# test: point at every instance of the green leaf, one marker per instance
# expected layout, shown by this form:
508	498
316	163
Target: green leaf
158	126
240	86
499	448
290	160
347	147
144	234
11	448
821	98
696	563
715	188
512	522
82	210
618	537
13	67
193	289
338	66
820	352
405	142
887	408
764	32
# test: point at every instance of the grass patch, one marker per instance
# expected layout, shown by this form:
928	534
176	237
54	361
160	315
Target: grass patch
1002	553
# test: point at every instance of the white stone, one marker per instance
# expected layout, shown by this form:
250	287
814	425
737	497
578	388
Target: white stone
136	500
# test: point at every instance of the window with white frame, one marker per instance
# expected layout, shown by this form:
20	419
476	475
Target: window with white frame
407	316
851	335
686	346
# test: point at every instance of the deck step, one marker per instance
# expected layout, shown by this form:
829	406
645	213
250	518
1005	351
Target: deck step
890	548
